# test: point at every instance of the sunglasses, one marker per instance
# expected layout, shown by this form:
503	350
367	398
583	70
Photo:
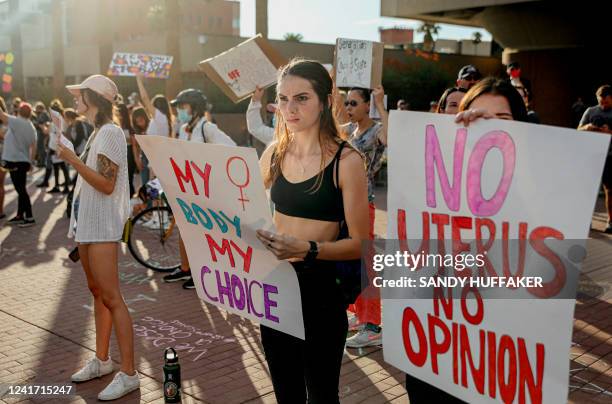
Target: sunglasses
470	78
352	103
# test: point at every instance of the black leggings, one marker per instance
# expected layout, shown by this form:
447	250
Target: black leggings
56	167
19	174
309	370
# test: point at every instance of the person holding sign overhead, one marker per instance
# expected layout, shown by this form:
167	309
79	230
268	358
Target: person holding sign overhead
255	125
99	212
160	120
158	110
317	182
370	138
192	106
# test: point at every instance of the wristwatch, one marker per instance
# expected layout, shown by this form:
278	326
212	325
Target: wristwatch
312	252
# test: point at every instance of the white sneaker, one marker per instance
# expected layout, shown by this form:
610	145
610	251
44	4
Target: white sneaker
121	385
365	337
94	368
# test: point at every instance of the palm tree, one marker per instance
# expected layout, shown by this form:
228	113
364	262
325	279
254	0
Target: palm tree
293	37
429	30
476	38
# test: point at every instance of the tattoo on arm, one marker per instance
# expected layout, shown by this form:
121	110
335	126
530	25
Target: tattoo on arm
107	168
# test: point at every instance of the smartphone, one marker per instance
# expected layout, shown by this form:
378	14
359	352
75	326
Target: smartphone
74	255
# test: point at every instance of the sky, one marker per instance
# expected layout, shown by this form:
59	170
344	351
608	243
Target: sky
322	21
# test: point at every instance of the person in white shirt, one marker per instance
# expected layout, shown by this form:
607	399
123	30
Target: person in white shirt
192	105
158	110
99	212
255	124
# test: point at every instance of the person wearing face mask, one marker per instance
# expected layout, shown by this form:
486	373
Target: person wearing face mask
522	85
191	107
370	138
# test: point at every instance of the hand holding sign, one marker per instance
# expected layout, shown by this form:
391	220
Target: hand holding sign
282	245
65	150
219	201
485	188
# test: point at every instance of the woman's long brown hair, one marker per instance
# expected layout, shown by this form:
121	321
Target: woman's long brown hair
329	132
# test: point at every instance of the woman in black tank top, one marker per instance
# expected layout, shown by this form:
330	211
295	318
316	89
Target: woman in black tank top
317	182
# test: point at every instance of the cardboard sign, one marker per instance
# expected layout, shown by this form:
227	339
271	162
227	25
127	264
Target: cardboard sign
374	113
240	69
358	63
218	199
129	64
495	181
6	71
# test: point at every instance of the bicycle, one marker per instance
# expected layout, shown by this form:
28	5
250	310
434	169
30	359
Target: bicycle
154	237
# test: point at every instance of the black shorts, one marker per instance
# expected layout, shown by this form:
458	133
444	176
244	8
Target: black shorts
606	178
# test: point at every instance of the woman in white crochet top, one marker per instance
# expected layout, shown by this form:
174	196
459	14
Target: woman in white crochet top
99	212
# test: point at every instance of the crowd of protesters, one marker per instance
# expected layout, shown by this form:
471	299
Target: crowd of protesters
325	149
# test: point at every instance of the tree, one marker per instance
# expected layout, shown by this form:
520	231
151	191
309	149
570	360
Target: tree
429	30
476	38
291	37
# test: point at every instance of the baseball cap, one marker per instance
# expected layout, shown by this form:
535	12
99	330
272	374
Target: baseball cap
25	109
99	84
468	70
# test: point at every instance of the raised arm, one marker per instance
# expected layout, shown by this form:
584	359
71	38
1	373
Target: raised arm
255	124
144	96
379	101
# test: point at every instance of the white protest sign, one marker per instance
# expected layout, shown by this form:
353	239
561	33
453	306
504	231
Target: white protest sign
66	143
130	64
218	199
239	70
494	181
358	63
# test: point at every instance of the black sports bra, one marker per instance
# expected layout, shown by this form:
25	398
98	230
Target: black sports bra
298	200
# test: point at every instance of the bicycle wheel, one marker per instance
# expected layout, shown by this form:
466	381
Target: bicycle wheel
154	239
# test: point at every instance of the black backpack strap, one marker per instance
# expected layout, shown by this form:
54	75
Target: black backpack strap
337	163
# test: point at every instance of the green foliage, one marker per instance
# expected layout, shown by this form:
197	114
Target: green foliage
293	37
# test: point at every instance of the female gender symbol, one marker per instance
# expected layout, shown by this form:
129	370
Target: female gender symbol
246	182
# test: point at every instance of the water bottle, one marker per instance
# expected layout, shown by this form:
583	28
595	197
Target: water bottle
172	377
